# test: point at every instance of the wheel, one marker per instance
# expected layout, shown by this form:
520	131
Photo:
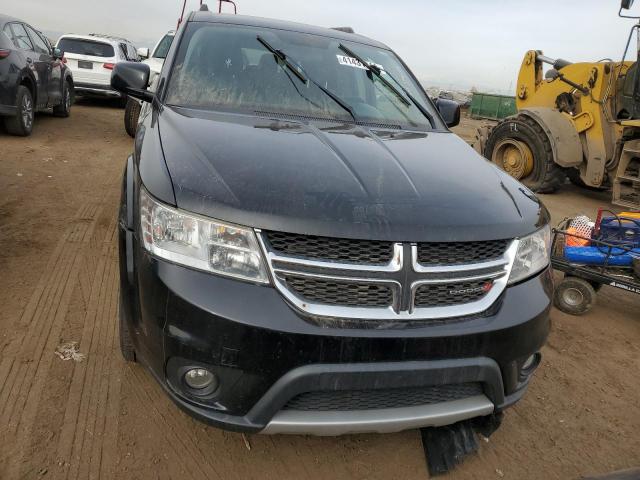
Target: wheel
519	146
64	109
22	123
126	343
574	296
131	115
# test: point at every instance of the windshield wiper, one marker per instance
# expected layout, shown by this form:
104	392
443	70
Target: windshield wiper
282	57
297	69
377	71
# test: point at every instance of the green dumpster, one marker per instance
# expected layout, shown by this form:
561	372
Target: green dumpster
496	107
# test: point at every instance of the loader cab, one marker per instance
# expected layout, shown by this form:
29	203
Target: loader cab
628	106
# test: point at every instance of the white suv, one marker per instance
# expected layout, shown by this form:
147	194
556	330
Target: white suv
155	62
92	57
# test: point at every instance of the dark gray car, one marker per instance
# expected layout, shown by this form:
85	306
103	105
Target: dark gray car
33	76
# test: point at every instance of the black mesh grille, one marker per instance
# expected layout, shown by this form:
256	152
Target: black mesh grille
333	292
365	252
384	398
447	294
456	253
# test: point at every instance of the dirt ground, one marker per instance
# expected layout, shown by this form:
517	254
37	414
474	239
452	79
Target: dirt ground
102	418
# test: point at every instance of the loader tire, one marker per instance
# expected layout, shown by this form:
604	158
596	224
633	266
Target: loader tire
520	146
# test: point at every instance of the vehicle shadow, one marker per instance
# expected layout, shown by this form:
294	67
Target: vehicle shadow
84	101
87	101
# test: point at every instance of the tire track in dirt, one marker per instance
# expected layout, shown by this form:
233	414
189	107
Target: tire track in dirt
81	438
178	437
32	351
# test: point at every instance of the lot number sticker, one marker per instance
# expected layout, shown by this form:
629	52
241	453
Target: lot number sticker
350	62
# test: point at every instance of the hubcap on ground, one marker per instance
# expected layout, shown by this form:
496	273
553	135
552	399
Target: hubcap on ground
514	157
27	112
573	297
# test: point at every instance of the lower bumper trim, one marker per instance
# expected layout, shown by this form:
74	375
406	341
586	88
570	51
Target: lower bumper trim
388	420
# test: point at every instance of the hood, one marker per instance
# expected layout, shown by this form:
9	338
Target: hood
341	180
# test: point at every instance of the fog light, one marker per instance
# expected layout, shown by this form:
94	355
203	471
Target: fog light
199	378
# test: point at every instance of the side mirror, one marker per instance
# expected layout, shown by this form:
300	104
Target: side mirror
132	78
57	53
626	4
143	53
449	110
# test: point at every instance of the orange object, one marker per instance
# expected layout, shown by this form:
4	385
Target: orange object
575	241
634	215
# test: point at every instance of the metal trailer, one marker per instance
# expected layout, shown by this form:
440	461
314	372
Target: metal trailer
575	294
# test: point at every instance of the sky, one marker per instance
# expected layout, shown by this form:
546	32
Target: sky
447	43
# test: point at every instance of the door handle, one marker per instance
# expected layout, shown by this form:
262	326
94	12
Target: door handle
29	60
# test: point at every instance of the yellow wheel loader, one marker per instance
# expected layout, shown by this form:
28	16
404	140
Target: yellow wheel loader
579	120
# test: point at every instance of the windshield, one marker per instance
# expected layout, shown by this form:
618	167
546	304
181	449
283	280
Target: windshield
163	47
227	67
86	47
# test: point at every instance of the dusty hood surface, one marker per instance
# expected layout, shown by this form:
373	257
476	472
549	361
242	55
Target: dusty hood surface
341	180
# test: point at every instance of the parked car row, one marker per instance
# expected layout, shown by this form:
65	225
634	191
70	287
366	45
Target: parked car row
37	76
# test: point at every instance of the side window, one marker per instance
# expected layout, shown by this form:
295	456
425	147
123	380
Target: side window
123	51
20	37
7	31
40	45
133	54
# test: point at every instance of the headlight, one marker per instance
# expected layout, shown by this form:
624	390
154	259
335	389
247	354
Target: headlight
532	256
200	243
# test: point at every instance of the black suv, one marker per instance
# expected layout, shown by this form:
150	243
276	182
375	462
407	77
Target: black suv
33	76
306	248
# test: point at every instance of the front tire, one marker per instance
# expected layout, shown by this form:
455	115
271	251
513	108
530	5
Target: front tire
520	146
131	115
64	109
22	123
574	296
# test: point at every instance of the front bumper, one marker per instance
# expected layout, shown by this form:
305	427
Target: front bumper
264	353
95	89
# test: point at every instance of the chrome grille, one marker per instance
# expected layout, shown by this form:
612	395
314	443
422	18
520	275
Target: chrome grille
458	253
365	252
340	279
345	400
447	294
336	292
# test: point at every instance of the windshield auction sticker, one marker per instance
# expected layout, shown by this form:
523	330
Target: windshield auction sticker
350	62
